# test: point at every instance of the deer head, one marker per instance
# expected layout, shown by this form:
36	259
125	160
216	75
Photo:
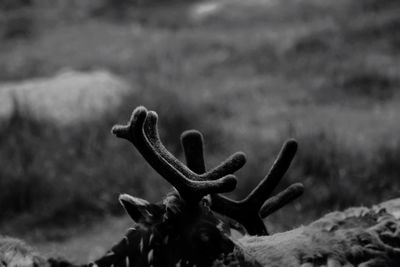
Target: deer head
186	229
183	229
247	211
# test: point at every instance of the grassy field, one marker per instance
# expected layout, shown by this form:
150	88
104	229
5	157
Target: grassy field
249	76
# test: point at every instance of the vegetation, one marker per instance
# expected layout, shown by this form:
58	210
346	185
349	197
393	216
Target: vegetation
249	77
76	185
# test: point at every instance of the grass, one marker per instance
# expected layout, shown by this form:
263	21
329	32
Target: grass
248	80
53	173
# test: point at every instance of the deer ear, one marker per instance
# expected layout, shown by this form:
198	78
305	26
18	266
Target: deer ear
138	209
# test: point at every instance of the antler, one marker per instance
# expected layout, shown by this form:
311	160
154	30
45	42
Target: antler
142	132
247	211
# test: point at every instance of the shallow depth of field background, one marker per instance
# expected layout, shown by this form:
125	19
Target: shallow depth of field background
248	74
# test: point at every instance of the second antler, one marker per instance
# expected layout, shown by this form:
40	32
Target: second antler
251	209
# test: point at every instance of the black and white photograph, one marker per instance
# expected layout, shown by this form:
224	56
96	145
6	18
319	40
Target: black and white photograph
199	133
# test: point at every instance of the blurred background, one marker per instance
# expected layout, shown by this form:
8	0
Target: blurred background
247	74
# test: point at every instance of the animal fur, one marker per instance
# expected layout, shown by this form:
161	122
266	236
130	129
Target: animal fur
350	238
16	253
355	237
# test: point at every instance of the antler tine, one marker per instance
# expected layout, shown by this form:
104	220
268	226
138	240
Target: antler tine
267	185
226	168
281	199
188	185
192	144
247	210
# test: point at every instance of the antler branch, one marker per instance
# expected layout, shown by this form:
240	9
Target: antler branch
247	211
229	166
142	133
271	180
192	144
280	200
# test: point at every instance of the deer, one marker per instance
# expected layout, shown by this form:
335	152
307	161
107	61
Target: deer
181	230
194	225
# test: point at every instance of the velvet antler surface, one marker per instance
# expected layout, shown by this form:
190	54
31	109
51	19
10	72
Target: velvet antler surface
142	132
247	211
